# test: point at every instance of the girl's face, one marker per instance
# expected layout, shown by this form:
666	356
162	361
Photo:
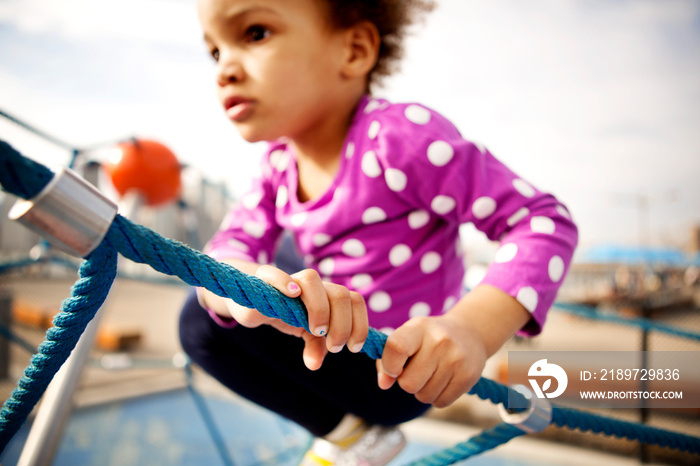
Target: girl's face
278	64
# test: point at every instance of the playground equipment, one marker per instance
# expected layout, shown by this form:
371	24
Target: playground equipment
147	167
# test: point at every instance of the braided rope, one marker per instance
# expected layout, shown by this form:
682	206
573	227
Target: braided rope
644	324
478	444
87	295
140	244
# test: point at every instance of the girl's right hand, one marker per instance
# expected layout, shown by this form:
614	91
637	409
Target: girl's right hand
337	316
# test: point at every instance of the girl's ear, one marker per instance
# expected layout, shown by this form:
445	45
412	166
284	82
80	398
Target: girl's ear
362	45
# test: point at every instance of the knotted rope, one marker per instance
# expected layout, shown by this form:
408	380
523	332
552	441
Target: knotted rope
25	178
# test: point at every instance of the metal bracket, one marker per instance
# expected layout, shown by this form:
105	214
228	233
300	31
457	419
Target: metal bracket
69	213
537	416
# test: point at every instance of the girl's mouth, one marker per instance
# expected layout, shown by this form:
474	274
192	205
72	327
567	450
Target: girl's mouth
238	108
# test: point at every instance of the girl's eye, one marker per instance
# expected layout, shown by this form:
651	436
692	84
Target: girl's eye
214	54
257	33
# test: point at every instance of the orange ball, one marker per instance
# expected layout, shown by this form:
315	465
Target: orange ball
147	167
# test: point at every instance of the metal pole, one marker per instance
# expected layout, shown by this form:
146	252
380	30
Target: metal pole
57	405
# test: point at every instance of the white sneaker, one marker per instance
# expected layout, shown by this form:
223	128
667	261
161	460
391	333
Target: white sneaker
376	447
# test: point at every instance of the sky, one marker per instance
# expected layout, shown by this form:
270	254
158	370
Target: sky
595	101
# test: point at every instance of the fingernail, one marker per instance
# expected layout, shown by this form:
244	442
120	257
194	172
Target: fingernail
320	331
293	287
336	349
357	347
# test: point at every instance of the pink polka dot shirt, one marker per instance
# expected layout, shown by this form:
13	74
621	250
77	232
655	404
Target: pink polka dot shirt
388	226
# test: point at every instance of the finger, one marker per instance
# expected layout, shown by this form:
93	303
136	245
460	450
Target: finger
450	394
360	325
462	381
340	316
313	294
247	317
314	351
403	343
384	381
420	376
279	279
427	387
287	329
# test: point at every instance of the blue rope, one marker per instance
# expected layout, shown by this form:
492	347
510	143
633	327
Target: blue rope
87	295
644	324
478	444
587	422
143	245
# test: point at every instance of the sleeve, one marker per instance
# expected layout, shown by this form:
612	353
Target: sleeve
249	231
464	183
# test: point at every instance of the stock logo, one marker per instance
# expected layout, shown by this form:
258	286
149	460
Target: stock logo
542	369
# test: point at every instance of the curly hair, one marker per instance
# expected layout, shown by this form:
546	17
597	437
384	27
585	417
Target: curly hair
391	18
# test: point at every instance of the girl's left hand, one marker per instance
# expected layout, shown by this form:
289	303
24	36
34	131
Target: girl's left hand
437	359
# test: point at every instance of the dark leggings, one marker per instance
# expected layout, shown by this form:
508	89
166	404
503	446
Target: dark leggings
266	367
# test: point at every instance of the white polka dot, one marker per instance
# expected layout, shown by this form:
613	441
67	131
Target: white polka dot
527	296
299	219
282	196
562	211
449	303
483	207
417	114
353	248
395	179
399	254
517	216
350	150
443	204
523	187
254	229
419	310
321	239
506	253
338	194
251	200
556	268
430	262
418	219
372	105
373	130
360	281
327	266
440	153
542	225
234	243
387	330
370	165
282	163
373	215
380	301
263	258
275	157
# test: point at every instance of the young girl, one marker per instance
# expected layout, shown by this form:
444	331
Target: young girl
373	194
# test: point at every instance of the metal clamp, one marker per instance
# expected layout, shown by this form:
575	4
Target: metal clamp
537	416
69	213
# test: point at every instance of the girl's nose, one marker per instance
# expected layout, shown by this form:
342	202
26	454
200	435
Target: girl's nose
229	70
